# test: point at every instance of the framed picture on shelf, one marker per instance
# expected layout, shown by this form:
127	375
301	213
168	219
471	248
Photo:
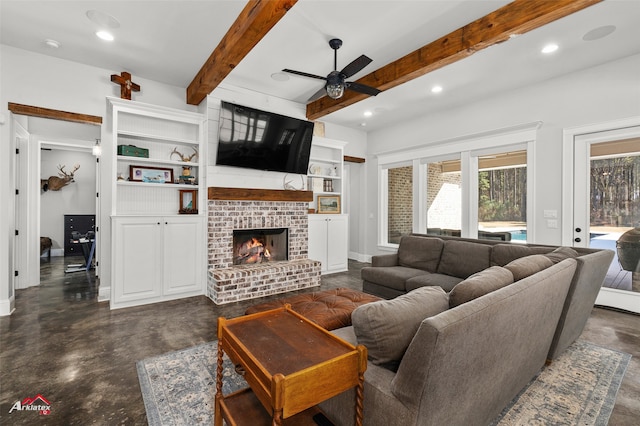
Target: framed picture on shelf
150	174
329	204
188	201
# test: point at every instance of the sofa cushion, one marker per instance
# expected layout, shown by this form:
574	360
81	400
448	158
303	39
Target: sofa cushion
562	253
420	252
501	254
446	282
463	259
390	276
479	284
387	327
528	265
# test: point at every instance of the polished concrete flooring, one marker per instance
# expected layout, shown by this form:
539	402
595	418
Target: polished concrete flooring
80	356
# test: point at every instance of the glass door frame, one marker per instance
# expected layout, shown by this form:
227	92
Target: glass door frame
575	183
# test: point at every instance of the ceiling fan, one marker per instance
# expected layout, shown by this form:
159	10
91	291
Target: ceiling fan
335	81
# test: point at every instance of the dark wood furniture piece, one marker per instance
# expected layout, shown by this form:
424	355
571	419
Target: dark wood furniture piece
81	223
290	364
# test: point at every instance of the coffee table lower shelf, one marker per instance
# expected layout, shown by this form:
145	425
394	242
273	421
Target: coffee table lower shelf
244	408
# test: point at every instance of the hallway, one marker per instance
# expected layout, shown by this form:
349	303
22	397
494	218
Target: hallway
81	356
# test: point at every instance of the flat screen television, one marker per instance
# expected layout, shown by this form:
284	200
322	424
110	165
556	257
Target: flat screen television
255	139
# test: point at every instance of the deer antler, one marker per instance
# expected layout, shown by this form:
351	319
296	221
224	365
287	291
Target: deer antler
182	156
65	174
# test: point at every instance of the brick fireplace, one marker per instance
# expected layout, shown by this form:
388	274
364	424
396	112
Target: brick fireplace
243	209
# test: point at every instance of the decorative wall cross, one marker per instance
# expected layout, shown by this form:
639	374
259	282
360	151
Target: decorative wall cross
126	85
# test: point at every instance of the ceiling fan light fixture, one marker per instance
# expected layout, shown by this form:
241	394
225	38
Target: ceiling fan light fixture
335	91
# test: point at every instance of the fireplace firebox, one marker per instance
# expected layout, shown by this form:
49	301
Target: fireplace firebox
260	245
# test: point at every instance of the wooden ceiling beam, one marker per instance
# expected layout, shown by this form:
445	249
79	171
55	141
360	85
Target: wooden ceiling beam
515	18
35	111
253	23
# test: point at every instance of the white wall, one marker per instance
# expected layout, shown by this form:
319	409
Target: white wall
78	197
599	94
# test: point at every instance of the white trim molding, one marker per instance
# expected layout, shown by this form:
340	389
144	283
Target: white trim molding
620	299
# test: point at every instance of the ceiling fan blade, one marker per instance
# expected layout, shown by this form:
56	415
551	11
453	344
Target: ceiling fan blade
367	90
320	93
355	66
304	74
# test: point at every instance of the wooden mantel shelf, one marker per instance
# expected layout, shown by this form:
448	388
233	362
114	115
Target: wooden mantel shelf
251	194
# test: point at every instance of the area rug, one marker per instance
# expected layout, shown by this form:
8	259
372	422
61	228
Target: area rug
578	388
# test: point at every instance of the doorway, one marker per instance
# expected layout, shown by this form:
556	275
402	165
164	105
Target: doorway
606	201
53	128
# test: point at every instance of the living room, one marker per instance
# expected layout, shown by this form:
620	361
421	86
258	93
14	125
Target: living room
604	95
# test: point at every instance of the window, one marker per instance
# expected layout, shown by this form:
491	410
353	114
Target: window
502	196
477	186
444	198
400	203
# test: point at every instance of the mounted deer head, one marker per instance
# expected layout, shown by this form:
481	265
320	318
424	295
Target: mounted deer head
55	183
184	157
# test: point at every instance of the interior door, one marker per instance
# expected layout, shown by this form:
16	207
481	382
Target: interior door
606	200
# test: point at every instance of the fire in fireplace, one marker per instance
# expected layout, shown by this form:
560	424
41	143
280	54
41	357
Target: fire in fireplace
260	245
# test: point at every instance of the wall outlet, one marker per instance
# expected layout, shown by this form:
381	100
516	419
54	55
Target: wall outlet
552	223
551	214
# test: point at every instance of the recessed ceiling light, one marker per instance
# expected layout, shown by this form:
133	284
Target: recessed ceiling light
363	124
550	48
53	44
598	33
102	19
368	113
280	76
104	35
436	89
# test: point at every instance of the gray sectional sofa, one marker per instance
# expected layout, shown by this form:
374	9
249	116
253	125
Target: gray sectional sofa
454	350
443	261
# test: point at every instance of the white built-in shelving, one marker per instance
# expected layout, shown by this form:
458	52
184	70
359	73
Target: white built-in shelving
157	254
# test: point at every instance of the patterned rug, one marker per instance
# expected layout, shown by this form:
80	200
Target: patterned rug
579	388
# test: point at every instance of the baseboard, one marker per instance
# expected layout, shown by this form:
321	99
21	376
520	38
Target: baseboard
7	306
104	294
359	257
619	299
54	253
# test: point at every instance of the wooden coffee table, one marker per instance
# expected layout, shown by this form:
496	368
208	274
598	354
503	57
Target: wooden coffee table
290	364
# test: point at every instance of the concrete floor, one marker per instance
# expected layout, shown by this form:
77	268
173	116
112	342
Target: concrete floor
81	356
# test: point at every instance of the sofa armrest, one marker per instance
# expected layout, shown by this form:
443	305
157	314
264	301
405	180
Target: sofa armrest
385	260
590	274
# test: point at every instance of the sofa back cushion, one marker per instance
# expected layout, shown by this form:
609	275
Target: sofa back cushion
463	259
480	284
387	327
562	253
528	265
420	252
501	254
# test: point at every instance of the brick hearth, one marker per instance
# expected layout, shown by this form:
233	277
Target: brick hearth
230	283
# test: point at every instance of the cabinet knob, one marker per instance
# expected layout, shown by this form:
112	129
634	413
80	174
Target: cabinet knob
240	370
158	223
577	240
578	230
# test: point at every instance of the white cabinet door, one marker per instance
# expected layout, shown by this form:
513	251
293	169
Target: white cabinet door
137	252
182	255
337	243
328	241
318	240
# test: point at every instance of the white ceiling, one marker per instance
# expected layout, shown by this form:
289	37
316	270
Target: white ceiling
168	41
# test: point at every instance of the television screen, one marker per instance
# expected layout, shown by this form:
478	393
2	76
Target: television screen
255	139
